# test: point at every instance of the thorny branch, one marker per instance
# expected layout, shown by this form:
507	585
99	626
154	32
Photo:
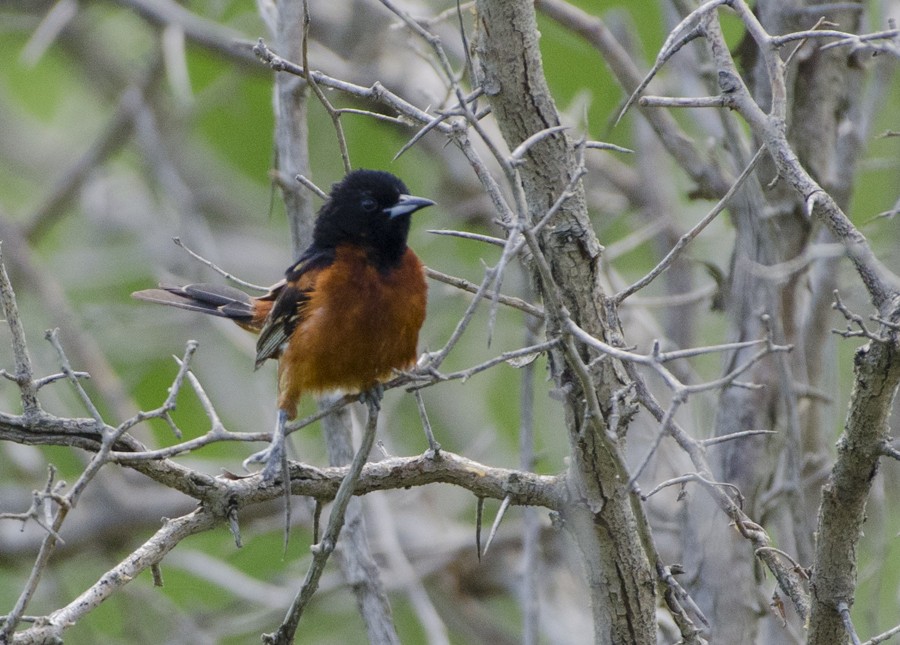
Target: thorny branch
23	375
836	579
221	495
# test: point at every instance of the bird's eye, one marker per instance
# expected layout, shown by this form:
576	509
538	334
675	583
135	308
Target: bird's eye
369	204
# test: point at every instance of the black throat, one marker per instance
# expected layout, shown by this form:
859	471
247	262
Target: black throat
384	244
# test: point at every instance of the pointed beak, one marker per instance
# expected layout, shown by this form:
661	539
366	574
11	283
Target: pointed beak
407	204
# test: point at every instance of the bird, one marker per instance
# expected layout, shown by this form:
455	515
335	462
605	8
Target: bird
347	314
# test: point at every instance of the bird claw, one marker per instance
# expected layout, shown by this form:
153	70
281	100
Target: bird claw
424	362
273	457
373	396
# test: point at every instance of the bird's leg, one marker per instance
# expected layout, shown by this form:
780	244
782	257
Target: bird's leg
274	457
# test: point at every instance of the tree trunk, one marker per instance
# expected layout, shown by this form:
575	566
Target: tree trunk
601	517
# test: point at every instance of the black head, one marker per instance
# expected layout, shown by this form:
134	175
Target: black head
369	208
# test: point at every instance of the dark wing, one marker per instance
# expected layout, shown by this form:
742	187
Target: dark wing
290	302
213	299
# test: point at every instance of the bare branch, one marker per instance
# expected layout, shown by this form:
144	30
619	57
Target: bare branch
39	511
465	285
786	556
855	319
306	181
770	128
148	554
24	375
333	114
712	441
225	274
883	637
376	92
720	101
844	611
685	239
678	36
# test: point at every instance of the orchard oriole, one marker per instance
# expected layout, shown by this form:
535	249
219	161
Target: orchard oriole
348	311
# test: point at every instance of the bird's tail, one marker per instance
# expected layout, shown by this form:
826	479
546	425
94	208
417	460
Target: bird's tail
213	299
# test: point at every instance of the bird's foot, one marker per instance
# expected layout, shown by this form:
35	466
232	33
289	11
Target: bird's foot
274	456
271	457
373	396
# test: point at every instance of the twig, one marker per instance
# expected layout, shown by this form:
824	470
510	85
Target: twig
376	92
333	114
183	366
652	360
433	360
685	239
513	246
889	451
678	36
393	120
24	375
109	436
666	574
712	441
516	157
662	431
708	176
672	300
39	506
49	29
357	559
50	628
471	287
866	42
47	380
844	610
769	127
217	432
440	118
678	354
784	555
789	580
505	357
887	323
466	235
311	186
52	336
694	477
719	101
433	445
854	319
228	276
602	145
884	636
